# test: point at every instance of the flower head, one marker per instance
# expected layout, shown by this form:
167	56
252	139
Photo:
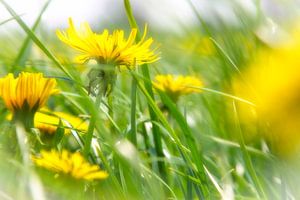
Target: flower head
108	48
176	86
68	163
26	94
28	91
272	84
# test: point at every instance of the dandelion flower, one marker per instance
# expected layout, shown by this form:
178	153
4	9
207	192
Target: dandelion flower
25	94
272	84
176	86
72	164
108	48
27	91
48	124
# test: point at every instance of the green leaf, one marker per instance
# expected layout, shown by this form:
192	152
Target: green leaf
59	134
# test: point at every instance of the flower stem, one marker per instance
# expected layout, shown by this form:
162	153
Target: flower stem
129	14
89	134
30	179
26	118
132	133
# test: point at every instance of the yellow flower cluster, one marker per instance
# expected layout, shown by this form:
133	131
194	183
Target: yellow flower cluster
108	48
30	90
28	93
68	163
176	86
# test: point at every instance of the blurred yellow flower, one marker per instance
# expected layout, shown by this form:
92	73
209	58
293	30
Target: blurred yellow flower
47	123
68	163
176	86
108	48
273	83
28	91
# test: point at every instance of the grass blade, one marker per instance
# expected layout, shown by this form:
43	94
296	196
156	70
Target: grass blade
132	135
146	74
196	154
7	20
247	158
25	48
35	39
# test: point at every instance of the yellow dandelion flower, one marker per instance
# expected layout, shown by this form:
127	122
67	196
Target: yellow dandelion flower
30	90
176	86
272	83
48	123
25	94
108	48
72	164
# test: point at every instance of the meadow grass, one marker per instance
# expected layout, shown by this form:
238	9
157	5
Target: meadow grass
150	145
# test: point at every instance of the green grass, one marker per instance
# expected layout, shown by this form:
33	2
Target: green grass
192	149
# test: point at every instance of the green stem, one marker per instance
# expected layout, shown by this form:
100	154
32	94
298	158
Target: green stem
148	86
26	118
111	126
132	135
24	149
89	134
31	181
129	14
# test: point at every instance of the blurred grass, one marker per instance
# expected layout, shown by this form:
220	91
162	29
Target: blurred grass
194	150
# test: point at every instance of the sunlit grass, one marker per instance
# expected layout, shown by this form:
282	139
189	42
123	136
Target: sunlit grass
114	131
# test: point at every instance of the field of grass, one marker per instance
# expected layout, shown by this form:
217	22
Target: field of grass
209	114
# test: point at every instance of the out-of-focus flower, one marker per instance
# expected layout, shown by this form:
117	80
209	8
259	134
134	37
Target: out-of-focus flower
48	124
105	48
72	164
176	86
26	94
272	83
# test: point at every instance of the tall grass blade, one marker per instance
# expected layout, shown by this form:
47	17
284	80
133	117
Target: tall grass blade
247	157
25	48
35	39
146	74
